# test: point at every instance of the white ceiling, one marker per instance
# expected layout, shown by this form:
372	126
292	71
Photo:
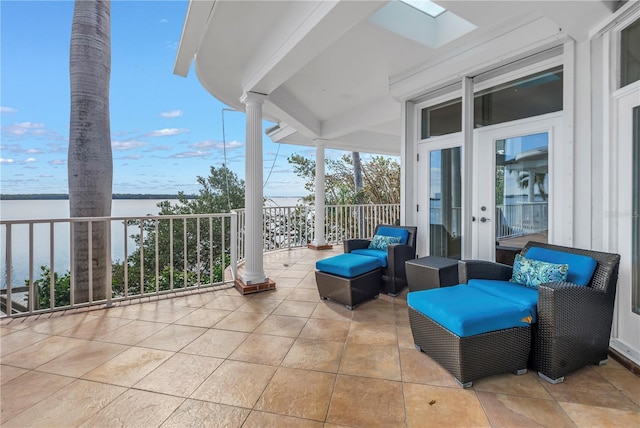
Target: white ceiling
327	69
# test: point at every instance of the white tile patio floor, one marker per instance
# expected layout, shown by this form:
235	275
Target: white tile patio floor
275	359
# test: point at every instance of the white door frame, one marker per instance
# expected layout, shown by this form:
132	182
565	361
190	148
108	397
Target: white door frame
424	184
626	332
483	233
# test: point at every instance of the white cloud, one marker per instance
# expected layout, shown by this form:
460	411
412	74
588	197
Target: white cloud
16	148
167	132
133	157
5	109
45	176
232	144
6	161
206	144
164	20
171	114
30	160
213	144
23	128
58	162
127	145
196	154
159	148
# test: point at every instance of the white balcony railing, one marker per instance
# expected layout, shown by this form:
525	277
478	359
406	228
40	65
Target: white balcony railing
149	255
153	255
294	226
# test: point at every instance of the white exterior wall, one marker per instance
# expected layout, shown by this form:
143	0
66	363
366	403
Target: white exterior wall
584	164
598	148
585	177
408	164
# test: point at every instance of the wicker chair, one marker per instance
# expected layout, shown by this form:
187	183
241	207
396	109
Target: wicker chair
394	277
574	322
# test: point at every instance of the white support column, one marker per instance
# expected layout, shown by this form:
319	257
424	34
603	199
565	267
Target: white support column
319	239
253	266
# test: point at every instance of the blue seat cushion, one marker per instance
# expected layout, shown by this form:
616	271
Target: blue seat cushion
401	233
581	267
378	254
516	293
348	265
467	311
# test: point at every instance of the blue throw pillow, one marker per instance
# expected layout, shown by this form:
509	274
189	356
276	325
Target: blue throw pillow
532	273
381	242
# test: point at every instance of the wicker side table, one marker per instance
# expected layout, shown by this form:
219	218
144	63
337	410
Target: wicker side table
431	272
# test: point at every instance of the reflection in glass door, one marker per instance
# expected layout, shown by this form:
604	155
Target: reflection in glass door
522	189
512	187
445	202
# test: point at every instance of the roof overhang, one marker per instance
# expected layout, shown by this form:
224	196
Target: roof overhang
331	71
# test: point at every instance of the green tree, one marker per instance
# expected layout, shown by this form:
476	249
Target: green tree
380	179
206	242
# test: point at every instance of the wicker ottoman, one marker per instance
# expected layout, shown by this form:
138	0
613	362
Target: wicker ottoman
473	356
349	279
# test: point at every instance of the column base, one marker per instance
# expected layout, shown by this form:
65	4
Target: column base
319	247
243	288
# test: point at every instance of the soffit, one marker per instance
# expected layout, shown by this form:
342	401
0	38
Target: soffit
349	74
354	70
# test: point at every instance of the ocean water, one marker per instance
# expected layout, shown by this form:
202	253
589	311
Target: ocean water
44	247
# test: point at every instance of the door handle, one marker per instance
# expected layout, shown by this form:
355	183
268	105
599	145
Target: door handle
484	219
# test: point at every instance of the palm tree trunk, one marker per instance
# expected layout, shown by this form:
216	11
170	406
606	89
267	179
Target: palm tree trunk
90	166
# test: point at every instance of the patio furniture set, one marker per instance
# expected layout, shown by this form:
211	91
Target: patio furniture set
550	312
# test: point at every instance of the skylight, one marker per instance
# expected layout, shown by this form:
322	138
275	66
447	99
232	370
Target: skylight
425	6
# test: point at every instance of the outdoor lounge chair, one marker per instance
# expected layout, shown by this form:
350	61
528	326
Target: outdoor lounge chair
394	277
571	323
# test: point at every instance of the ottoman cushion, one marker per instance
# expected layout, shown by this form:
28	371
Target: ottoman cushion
380	255
516	293
348	265
467	311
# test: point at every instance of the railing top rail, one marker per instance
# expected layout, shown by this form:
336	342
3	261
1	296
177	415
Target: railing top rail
326	206
109	218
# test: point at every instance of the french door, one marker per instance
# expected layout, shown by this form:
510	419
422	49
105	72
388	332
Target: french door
440	197
512	185
511	195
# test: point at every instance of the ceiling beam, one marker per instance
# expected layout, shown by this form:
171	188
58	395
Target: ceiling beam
308	27
283	105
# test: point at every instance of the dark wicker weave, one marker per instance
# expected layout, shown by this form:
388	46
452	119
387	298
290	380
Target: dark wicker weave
349	291
574	322
394	277
473	357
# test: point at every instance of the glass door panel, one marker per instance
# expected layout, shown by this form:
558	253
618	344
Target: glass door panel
522	189
445	202
512	187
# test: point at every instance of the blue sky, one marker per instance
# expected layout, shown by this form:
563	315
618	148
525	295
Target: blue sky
166	130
